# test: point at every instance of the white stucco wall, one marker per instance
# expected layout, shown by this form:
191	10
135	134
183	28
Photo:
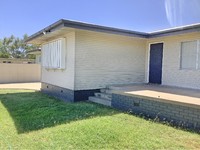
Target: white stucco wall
171	73
63	78
105	59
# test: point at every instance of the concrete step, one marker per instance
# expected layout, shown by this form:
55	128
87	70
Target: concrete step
108	91
104	96
114	88
100	100
103	90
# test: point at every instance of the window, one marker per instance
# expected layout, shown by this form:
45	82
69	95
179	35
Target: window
53	54
190	55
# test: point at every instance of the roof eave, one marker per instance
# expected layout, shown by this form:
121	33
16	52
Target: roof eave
175	31
97	28
35	51
85	26
50	28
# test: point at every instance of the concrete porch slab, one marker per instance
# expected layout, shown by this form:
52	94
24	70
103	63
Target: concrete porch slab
162	93
178	106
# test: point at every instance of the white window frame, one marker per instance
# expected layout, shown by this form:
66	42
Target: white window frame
197	67
53	54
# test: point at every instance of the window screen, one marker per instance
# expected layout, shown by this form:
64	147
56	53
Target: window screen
53	54
189	55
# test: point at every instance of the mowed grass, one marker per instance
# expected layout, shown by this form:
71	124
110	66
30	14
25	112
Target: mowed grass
32	120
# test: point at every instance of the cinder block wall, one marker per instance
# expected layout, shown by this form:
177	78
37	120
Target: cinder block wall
186	116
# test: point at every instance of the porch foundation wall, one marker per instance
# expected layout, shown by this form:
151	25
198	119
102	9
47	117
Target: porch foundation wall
65	94
184	116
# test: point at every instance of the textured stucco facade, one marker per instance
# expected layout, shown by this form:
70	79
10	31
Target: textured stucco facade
172	74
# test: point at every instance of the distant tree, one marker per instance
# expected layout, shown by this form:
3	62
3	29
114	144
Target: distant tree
3	48
28	47
3	53
14	47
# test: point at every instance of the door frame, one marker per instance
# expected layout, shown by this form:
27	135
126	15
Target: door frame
148	59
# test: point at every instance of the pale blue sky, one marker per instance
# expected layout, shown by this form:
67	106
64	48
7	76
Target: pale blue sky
18	17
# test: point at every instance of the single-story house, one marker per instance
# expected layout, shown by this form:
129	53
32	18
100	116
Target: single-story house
79	59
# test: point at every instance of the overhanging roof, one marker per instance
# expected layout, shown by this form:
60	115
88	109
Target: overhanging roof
176	30
85	26
35	51
69	25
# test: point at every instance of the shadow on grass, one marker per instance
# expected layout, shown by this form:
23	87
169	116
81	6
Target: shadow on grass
34	110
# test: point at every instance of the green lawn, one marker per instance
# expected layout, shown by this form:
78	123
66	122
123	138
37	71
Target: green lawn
31	120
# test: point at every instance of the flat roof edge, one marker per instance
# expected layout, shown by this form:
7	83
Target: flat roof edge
87	26
99	28
48	28
111	30
176	31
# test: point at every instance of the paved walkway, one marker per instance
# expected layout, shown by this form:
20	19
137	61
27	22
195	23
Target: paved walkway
31	86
